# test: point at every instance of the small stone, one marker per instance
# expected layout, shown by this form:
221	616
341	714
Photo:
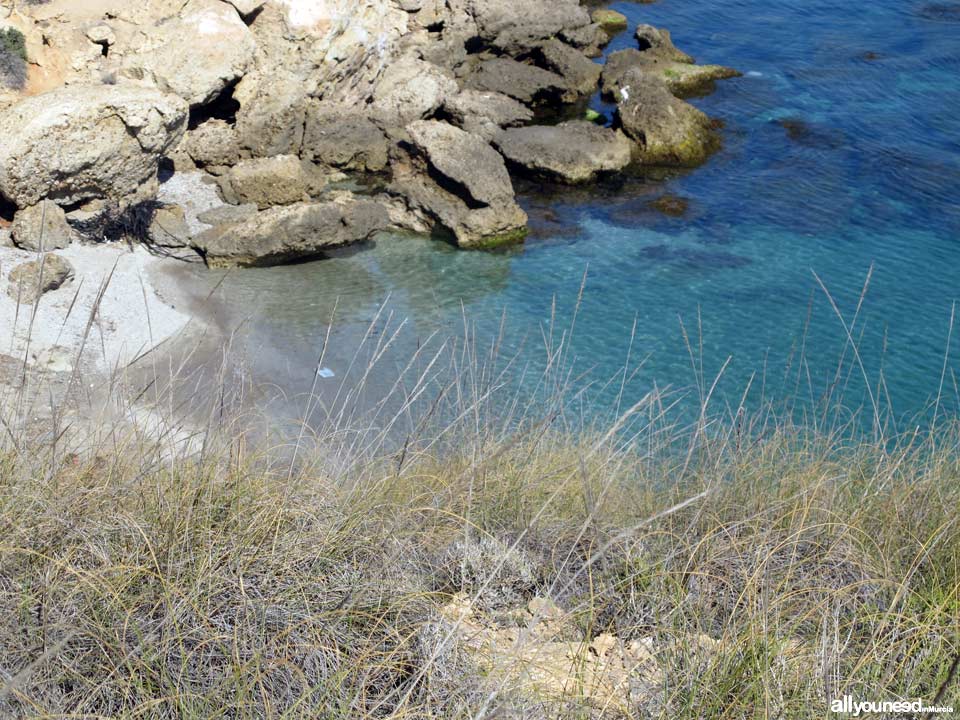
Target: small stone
169	228
32	279
42	227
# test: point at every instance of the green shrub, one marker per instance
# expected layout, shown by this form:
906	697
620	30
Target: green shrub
13	42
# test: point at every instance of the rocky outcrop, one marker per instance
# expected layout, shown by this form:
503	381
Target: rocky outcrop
457	181
525	83
485	113
667	131
292	232
279	180
41	227
82	142
337	136
169	56
513	27
682	79
410	90
571	152
29	280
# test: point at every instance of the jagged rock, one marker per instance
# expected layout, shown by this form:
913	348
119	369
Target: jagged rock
589	39
212	143
341	138
667	130
196	54
485	113
528	84
682	79
656	41
288	233
41	227
86	141
168	227
579	72
280	180
472	196
272	114
409	90
29	280
514	27
571	152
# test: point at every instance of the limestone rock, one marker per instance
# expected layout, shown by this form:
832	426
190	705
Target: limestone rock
410	90
683	79
610	20
579	72
469	191
658	42
526	83
228	214
196	54
485	113
272	114
514	27
29	280
288	233
571	152
280	180
667	130
212	143
168	227
41	227
341	138
86	141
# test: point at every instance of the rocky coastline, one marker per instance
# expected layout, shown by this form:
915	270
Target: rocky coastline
260	132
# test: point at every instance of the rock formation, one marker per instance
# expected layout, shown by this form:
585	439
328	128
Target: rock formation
430	101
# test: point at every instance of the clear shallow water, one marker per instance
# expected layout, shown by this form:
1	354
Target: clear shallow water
841	153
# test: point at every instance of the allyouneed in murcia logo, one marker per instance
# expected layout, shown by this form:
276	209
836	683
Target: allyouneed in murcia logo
856	708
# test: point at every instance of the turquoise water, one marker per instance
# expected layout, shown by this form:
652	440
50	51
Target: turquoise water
841	154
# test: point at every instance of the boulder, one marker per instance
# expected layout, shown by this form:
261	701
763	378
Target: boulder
485	113
29	280
280	180
571	152
610	20
212	143
195	54
409	90
526	83
292	232
667	131
457	181
514	27
579	72
271	115
86	141
168	227
41	227
682	79
341	138
656	41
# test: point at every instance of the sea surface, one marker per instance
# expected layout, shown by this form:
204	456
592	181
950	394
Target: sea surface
818	260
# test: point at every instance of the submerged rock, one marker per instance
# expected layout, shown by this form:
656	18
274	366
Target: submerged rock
87	141
41	227
292	232
667	131
672	205
29	280
571	152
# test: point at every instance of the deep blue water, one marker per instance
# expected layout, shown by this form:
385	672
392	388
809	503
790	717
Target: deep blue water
841	153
